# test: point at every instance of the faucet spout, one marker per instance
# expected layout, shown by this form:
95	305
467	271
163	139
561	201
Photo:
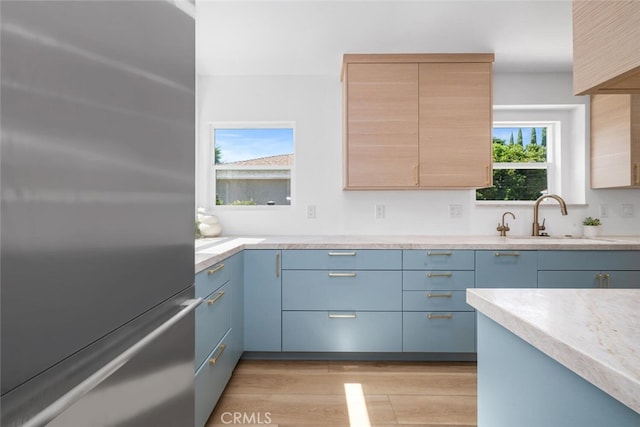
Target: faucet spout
536	206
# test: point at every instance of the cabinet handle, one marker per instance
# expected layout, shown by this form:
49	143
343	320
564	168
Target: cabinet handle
507	254
215	358
439	316
215	298
342	253
636	173
215	270
416	175
439	274
488	174
607	280
342	316
278	264
429	253
599	277
430	295
342	274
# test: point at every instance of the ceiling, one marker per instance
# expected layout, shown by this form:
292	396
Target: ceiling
297	37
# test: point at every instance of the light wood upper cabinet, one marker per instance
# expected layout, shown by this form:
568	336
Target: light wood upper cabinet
417	121
455	125
606	47
382	124
615	141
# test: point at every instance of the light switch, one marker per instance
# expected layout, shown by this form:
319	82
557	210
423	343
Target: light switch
379	212
311	211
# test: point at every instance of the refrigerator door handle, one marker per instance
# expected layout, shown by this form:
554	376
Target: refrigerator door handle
76	393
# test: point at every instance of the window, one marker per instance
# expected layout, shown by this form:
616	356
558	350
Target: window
521	161
252	163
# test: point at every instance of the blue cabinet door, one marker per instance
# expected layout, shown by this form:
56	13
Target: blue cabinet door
262	300
236	305
437	259
448	332
506	269
589	260
342	259
341	290
366	331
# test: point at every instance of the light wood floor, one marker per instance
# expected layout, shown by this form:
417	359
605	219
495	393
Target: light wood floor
313	394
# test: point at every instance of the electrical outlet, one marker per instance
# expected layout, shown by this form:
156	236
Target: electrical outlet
604	211
626	211
379	212
311	211
455	211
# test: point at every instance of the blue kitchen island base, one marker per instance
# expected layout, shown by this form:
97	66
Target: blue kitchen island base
518	385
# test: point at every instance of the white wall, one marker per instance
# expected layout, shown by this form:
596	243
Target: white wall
315	104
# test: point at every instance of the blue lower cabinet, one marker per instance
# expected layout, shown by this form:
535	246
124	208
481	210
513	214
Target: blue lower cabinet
341	290
338	331
213	321
439	332
437	279
435	301
211	378
506	269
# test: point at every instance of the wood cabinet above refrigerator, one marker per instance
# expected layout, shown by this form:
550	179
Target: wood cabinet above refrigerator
606	47
417	121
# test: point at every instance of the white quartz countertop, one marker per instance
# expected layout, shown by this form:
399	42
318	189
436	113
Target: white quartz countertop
210	251
593	332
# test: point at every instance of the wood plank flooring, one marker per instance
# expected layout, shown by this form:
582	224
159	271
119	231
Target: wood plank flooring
348	394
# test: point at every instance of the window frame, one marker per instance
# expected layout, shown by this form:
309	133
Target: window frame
213	167
566	171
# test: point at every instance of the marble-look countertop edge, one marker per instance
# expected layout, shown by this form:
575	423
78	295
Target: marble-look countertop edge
602	375
211	251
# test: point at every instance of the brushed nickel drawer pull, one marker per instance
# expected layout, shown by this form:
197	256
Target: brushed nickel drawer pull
278	264
439	316
342	253
430	295
215	270
429	253
342	316
215	358
342	274
507	254
439	274
215	298
636	170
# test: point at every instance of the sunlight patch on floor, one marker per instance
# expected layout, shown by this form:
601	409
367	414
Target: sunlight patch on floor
356	405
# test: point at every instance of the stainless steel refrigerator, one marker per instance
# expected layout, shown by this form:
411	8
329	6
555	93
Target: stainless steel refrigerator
97	212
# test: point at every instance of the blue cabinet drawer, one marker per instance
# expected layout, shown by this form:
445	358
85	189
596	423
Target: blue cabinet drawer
440	332
342	331
589	279
589	260
213	320
211	279
437	259
211	379
435	301
506	269
342	259
341	290
414	280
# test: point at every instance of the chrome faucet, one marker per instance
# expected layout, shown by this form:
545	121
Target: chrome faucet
536	226
502	228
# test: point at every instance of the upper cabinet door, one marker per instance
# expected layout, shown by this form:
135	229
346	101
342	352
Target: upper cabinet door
606	47
381	125
615	141
455	125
